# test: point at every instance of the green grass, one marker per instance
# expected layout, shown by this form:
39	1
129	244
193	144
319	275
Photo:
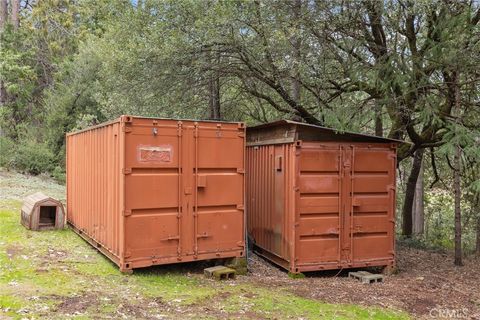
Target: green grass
54	274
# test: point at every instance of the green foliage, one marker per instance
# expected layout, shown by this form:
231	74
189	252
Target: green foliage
7	152
33	158
58	174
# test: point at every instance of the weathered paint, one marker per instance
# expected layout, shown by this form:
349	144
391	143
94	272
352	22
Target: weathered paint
156	191
316	205
40	212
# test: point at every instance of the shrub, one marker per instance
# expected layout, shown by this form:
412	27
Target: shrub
7	152
33	158
59	174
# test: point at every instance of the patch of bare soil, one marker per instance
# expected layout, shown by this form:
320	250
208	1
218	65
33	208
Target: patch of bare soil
426	284
13	250
88	303
77	305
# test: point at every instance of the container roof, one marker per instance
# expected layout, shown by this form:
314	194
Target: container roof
120	119
310	132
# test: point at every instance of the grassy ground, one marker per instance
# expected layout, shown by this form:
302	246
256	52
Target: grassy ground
55	274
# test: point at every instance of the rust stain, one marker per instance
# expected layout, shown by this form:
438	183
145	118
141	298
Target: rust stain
154	153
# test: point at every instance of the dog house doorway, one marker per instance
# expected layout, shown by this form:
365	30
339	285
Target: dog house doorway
48	216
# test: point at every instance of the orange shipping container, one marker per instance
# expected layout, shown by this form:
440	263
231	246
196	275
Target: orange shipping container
320	200
155	191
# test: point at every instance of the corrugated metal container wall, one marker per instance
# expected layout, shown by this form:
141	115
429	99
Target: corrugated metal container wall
319	200
155	191
268	198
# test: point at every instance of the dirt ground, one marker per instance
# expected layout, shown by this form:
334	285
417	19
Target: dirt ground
426	285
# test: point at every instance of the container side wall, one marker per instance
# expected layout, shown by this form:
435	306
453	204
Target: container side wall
93	172
270	171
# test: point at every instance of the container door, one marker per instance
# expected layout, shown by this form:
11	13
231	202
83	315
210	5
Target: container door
373	198
219	188
152	190
320	204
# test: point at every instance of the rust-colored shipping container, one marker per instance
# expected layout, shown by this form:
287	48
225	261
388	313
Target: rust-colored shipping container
318	199
150	191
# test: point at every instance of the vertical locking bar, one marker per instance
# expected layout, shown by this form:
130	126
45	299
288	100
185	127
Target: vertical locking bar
195	208
352	195
180	177
340	207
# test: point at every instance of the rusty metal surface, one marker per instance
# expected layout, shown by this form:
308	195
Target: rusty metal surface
292	130
322	205
155	191
270	180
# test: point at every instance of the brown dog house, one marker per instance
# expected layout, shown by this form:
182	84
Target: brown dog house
40	212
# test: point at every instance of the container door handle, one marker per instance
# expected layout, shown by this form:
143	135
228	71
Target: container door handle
278	163
203	235
202	181
169	238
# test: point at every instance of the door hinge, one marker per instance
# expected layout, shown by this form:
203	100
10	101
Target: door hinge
179	128
126	129
218	133
240	206
127	213
240	170
195	133
127	170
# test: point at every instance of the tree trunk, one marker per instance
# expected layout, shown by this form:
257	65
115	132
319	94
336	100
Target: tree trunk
407	227
15	13
297	55
458	212
214	89
378	119
477	248
457	180
3	13
418	205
